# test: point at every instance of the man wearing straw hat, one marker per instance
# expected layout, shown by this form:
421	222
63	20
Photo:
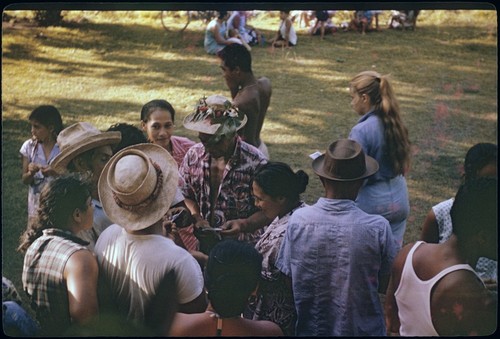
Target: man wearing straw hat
86	150
136	258
337	256
218	171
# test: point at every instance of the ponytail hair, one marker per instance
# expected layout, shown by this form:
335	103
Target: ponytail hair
378	88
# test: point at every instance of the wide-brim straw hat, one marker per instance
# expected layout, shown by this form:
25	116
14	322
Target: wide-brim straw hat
200	122
79	138
344	160
137	186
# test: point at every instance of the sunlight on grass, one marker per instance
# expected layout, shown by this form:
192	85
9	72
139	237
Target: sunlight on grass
102	66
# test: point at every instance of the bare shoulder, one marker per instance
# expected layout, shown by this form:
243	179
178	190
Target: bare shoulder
264	83
81	260
461	305
263	328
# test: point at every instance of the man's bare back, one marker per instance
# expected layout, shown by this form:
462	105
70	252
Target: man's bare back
253	100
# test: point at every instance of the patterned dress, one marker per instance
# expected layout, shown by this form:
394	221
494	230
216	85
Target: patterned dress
274	298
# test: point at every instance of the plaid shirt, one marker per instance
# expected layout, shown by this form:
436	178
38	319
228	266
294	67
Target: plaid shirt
43	278
234	200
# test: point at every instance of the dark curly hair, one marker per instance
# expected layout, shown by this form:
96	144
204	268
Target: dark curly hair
58	200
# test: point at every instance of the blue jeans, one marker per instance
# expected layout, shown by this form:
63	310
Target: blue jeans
16	321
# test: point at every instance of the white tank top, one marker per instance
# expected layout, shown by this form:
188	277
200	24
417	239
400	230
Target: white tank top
415	294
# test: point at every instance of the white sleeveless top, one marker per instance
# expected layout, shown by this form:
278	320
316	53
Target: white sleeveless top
415	294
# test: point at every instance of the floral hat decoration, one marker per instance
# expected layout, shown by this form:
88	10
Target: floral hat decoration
215	115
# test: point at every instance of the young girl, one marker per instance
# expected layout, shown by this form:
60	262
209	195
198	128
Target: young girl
383	136
38	152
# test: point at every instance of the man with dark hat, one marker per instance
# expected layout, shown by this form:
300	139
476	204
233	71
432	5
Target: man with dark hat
337	256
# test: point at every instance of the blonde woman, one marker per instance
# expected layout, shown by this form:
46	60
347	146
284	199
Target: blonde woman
383	136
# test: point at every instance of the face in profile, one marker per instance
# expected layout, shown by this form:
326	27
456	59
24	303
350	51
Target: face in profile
270	206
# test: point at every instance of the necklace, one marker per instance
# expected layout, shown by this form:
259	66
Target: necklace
240	88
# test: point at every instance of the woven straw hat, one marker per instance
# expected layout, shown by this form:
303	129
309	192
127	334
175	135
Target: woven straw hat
79	138
213	112
137	186
345	160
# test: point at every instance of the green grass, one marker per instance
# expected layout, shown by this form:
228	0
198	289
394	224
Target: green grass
102	67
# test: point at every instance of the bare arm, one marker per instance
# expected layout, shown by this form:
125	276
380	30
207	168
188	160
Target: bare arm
219	38
81	272
430	228
391	308
248	225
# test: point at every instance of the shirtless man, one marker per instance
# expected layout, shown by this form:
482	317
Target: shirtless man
251	95
433	289
218	172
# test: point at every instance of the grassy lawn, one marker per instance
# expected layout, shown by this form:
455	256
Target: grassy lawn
101	67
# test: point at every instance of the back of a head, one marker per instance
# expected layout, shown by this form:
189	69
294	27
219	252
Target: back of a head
479	156
131	135
236	55
474	210
231	275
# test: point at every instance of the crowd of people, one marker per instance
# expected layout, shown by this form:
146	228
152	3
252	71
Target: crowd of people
135	230
233	28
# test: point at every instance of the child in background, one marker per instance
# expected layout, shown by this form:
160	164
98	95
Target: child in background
38	152
234	36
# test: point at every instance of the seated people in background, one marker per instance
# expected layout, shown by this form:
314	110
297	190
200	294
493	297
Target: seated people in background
286	35
234	36
338	256
60	273
130	134
247	33
218	171
433	290
322	19
215	34
250	94
361	21
135	257
480	161
276	189
85	150
231	277
38	151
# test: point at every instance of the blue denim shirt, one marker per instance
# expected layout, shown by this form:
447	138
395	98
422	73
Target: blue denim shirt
369	133
334	253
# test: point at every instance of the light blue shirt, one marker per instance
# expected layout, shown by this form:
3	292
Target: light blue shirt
334	253
369	133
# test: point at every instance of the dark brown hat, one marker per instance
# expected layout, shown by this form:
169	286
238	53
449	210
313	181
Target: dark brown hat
345	160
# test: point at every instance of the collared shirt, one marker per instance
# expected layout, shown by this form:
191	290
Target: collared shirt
369	133
334	253
234	199
43	278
